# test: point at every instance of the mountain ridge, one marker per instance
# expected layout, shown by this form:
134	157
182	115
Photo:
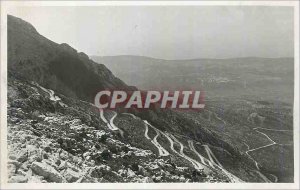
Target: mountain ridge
187	59
34	57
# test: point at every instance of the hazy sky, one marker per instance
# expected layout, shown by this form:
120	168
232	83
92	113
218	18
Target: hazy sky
168	32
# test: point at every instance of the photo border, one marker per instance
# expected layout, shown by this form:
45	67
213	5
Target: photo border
7	5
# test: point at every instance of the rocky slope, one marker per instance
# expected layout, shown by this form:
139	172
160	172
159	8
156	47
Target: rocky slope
65	140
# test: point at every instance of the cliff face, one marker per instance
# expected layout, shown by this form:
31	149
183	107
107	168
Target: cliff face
58	66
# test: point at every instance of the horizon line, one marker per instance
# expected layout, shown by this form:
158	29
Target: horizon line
191	59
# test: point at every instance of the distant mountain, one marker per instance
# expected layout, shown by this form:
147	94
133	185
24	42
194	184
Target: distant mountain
60	67
250	77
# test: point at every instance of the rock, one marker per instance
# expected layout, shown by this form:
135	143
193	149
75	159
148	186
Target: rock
64	155
50	163
87	179
12	157
86	154
45	156
88	158
32	149
143	171
77	160
22	156
130	153
29	174
122	172
92	163
14	162
182	179
158	178
147	180
106	154
47	149
42	116
28	137
135	167
11	169
63	165
175	177
99	171
55	145
17	179
35	179
33	158
130	173
38	159
70	175
47	171
58	162
22	173
153	166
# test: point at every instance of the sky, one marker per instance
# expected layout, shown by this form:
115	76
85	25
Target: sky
168	32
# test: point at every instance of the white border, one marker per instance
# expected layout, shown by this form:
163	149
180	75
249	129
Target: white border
5	5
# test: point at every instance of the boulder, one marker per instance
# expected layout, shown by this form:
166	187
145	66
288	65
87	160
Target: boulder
130	173
47	149
11	169
17	179
35	179
22	156
99	171
158	178
182	179
147	180
47	172
14	162
70	175
12	157
86	154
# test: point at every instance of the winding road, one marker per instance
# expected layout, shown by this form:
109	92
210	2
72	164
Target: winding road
216	163
275	178
52	95
197	165
104	119
203	159
212	162
272	142
111	122
268	129
161	150
134	117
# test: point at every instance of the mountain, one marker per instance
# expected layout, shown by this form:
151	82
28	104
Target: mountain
250	77
57	66
55	133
